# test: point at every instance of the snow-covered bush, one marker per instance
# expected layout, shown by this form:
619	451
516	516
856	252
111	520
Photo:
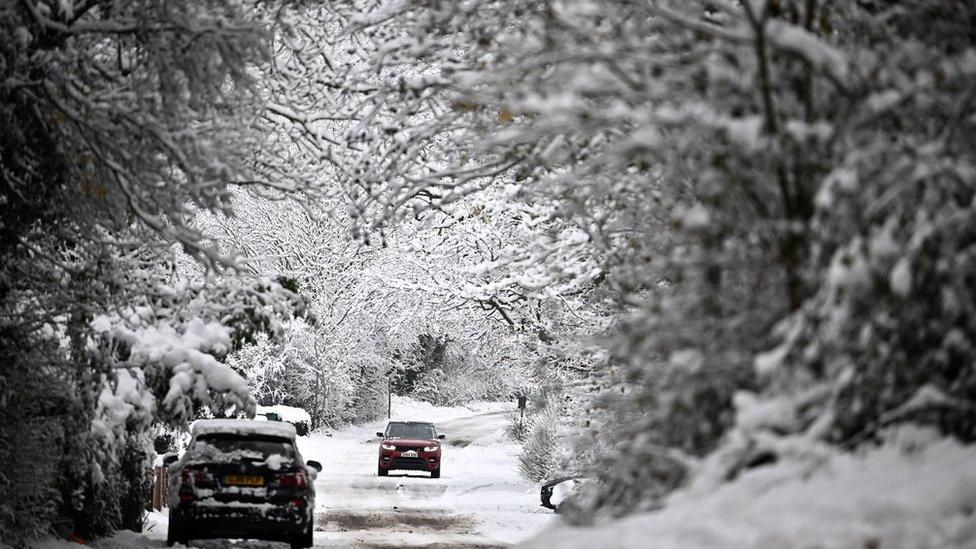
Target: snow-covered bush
42	438
542	453
517	426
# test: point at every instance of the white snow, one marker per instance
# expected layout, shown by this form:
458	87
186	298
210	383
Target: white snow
849	269
408	409
290	414
562	490
918	491
210	502
799	41
275	461
695	217
124	539
753	413
882	101
768	362
188	354
901	278
803	131
746	131
926	397
689	360
243	426
480	499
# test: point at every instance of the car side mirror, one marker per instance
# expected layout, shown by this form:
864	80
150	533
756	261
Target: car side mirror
314	465
170	459
379	435
442	437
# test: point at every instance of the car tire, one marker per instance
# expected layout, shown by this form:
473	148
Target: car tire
435	473
304	540
381	471
175	534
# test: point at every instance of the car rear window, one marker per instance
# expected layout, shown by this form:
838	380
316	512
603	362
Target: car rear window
228	447
405	430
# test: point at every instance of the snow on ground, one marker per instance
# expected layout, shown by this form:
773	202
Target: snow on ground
917	491
479	501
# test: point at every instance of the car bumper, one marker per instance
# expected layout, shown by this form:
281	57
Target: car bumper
423	462
201	520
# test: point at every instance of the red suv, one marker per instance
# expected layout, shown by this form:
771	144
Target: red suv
411	446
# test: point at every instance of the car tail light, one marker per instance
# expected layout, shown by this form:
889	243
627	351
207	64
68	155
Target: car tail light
190	479
195	477
296	480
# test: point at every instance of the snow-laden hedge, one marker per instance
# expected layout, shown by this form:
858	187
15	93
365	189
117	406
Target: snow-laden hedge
916	490
542	451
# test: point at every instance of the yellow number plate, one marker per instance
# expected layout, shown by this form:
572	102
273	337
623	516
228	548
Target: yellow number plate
245	480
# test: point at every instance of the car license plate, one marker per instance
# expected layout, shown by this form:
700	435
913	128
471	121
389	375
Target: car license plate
245	480
409	454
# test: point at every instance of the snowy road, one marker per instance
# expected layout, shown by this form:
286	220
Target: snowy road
479	501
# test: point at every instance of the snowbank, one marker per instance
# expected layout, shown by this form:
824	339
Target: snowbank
917	491
123	539
409	409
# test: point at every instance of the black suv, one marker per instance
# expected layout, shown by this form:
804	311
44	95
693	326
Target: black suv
241	479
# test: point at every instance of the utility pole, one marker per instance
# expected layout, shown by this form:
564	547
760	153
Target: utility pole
389	392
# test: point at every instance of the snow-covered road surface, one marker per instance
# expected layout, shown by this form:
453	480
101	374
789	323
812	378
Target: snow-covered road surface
479	501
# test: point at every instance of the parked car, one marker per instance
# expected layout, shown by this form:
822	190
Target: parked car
241	479
289	414
411	446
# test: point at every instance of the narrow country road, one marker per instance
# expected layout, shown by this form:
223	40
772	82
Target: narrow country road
480	501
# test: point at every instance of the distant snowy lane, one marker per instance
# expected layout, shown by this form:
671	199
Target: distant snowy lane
479	501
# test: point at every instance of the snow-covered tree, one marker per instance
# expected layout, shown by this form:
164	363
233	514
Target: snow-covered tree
119	123
716	168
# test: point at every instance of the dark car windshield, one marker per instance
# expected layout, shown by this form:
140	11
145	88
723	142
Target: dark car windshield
410	430
233	448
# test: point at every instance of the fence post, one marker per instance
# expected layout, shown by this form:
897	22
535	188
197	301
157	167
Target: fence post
159	488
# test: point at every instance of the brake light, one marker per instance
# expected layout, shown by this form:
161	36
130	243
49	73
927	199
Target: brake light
194	477
296	480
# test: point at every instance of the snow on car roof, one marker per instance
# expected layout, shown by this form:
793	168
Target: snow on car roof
242	427
286	413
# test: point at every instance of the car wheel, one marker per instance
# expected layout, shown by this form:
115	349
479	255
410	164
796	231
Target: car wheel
174	533
381	471
435	473
304	540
